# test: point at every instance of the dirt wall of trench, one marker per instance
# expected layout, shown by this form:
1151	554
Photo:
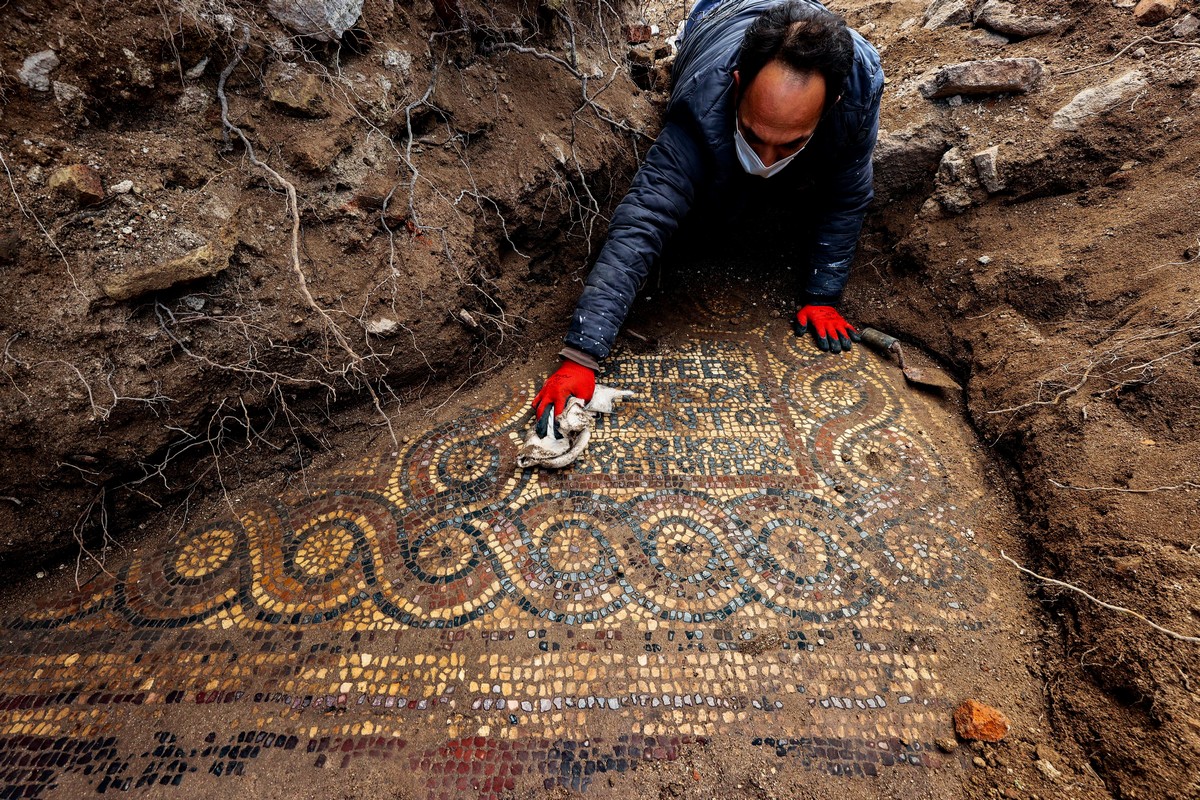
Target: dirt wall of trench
1060	284
451	181
1065	297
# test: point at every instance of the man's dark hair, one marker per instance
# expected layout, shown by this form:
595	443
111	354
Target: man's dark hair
805	37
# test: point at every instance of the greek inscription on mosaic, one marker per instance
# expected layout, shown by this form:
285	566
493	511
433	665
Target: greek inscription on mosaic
702	410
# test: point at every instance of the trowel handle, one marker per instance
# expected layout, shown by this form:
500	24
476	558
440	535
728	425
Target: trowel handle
878	339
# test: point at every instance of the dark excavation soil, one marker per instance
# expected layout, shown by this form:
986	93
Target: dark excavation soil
159	355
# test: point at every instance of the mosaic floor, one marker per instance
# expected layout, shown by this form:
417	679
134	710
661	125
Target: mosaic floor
763	547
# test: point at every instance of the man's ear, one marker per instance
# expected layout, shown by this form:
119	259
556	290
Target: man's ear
737	81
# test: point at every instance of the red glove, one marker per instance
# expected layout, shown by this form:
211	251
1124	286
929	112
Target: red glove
569	379
832	332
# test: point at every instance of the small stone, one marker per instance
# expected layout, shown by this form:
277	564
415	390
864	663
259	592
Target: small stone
194	302
124	187
139	73
35	72
196	69
943	13
983	77
69	98
989	172
193	100
1152	12
974	720
985	38
946	744
382	326
979	762
1098	100
297	92
1186	28
955	183
79	183
1048	769
638	33
1139	54
398	60
646	55
41	574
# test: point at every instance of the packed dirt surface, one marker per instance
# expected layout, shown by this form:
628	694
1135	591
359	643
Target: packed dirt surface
452	179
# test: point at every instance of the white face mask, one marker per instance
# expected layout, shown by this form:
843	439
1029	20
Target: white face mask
750	160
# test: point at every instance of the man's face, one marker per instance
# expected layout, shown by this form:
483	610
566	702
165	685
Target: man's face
779	111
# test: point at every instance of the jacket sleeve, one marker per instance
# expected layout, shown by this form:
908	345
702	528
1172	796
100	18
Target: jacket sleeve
661	195
850	189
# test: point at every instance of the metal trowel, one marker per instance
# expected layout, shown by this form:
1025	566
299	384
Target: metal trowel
924	376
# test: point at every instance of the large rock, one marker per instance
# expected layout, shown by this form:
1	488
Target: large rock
984	77
1097	101
79	183
942	13
1006	18
206	261
906	160
35	72
297	92
324	20
1152	12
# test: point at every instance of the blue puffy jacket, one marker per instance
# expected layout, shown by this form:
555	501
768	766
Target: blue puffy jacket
694	158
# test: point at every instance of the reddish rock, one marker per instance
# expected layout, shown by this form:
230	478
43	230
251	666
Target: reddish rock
1152	12
79	183
974	720
638	33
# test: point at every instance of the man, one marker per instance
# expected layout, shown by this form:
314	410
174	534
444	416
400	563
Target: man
763	90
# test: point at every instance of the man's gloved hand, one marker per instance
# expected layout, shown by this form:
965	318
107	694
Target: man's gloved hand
828	327
569	379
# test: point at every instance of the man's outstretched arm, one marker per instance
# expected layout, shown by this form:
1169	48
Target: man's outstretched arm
661	195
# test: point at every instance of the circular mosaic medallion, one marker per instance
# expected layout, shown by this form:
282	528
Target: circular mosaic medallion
446	552
325	547
684	567
561	564
205	553
807	559
194	576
